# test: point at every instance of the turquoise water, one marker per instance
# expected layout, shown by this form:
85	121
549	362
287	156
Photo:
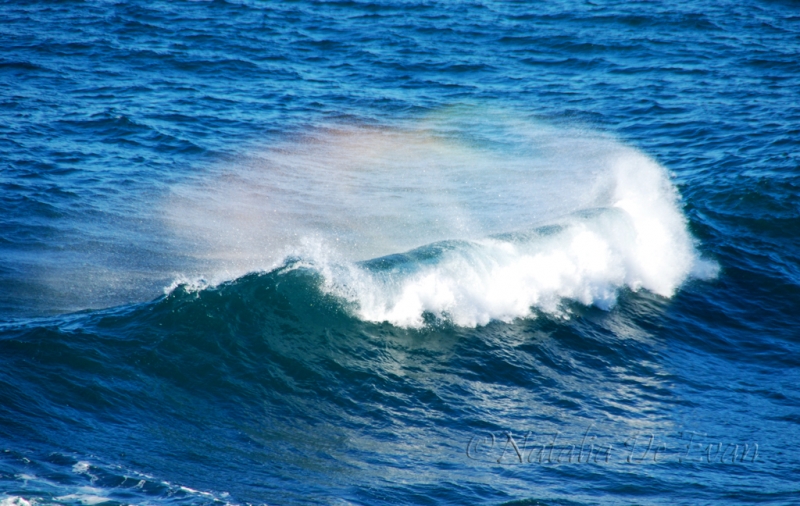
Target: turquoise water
399	253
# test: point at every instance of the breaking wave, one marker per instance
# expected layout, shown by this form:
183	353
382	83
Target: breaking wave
487	223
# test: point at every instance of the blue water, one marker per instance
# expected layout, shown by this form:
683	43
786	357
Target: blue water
399	252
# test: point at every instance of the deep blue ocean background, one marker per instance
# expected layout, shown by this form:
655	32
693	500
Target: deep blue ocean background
399	252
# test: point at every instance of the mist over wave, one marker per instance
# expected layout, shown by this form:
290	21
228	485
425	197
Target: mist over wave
465	220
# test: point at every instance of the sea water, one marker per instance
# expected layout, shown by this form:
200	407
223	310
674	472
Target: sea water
399	252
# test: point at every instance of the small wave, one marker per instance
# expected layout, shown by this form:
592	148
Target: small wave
87	483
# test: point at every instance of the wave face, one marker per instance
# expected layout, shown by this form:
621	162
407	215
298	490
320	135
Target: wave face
502	215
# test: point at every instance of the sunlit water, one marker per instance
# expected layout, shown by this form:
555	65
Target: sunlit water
399	253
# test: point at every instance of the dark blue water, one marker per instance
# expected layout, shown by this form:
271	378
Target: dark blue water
399	252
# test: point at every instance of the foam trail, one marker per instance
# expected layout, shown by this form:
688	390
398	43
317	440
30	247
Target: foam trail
498	218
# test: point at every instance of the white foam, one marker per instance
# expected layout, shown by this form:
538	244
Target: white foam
13	500
81	467
636	238
86	495
90	494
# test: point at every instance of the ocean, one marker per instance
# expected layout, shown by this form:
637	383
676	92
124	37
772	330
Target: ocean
399	252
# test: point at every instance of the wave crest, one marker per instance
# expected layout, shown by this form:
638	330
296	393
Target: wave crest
505	217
